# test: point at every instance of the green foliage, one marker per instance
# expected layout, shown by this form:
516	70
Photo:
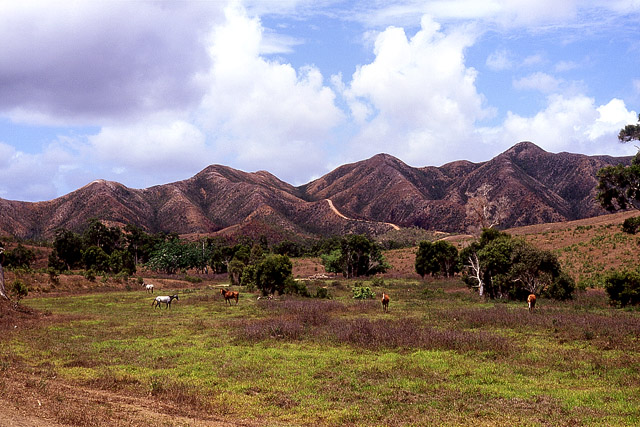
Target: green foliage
630	132
355	256
562	288
362	292
631	225
437	258
236	273
512	268
297	287
272	273
18	289
106	238
623	288
19	257
67	249
322	293
95	258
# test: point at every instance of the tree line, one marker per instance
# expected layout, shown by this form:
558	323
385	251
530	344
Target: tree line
499	266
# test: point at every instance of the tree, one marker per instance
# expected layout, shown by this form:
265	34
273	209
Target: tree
20	257
356	256
98	234
619	186
272	273
623	288
504	267
68	247
436	258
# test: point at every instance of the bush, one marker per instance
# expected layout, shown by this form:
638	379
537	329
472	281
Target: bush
561	288
19	289
322	293
631	225
623	288
298	287
363	292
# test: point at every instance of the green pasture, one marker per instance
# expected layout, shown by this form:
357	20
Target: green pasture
441	356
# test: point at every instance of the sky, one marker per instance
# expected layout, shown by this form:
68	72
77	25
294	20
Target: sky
151	92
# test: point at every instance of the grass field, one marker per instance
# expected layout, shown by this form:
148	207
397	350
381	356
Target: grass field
441	356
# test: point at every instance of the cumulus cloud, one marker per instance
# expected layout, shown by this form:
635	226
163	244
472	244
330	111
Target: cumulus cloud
88	61
32	176
416	96
568	123
175	147
263	113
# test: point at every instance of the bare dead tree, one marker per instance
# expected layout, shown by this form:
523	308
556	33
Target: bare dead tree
3	292
474	264
483	213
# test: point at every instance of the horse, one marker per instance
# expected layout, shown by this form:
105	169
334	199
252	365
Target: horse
148	287
164	299
385	302
531	300
229	295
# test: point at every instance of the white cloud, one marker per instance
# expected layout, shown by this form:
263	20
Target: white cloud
82	62
263	113
573	124
143	148
499	60
416	96
539	81
32	176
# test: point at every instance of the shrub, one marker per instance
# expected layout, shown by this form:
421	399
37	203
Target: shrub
298	287
631	225
19	289
322	293
623	288
363	292
561	288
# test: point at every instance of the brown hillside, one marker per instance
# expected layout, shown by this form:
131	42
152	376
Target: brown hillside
371	196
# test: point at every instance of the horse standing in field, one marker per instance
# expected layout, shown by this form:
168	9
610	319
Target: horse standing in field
385	302
229	295
531	300
164	299
148	287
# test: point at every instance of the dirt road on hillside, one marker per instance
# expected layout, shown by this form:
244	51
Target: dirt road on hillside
337	212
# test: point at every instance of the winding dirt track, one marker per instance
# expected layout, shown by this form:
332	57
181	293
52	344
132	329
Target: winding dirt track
337	212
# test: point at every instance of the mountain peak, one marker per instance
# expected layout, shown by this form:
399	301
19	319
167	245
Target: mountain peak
525	147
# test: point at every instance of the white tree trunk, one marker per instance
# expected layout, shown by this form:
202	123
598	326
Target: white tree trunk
3	292
475	266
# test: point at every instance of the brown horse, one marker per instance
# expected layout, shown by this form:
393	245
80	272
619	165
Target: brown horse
229	295
531	300
385	302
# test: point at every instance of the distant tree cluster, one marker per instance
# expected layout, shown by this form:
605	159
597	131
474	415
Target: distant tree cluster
499	266
353	256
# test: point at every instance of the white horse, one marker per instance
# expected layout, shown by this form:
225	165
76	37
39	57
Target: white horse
148	287
164	299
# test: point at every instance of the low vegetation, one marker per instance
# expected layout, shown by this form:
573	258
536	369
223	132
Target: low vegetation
442	355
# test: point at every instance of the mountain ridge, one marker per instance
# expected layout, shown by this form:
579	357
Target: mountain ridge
370	196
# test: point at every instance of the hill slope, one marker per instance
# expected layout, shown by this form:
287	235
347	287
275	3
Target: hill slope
370	196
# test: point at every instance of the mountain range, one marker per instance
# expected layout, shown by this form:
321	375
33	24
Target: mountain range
372	196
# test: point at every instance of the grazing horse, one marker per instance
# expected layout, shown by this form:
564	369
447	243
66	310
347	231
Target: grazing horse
385	302
229	295
531	300
148	287
164	299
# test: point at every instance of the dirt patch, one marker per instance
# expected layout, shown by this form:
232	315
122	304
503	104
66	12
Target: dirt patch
30	401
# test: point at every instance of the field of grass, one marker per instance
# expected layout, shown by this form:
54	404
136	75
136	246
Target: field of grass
441	356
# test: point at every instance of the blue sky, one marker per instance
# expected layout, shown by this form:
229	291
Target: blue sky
149	92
